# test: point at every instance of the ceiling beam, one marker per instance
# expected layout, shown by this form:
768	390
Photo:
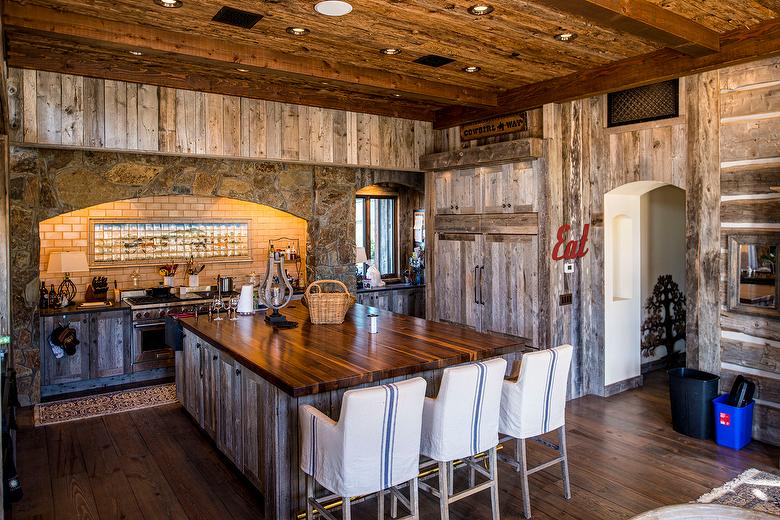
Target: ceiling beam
118	35
644	19
739	46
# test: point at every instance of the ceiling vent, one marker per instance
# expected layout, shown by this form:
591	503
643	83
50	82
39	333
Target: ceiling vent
237	17
433	60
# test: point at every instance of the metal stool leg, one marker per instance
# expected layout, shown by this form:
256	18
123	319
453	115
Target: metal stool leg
564	462
451	478
380	497
521	454
346	508
444	506
414	498
494	486
309	494
393	506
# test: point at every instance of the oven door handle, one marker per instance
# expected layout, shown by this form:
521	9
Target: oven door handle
147	325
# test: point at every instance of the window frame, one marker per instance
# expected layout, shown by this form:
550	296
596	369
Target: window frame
367	227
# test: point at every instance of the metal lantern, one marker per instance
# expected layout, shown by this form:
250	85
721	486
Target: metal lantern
276	291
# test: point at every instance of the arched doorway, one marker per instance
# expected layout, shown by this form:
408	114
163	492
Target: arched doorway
644	239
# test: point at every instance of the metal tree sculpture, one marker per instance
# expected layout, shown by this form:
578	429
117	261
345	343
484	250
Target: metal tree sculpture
665	323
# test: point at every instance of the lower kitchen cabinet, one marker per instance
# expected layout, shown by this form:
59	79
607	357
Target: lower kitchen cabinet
229	429
401	299
103	349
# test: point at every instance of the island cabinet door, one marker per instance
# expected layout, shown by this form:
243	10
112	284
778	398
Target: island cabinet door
252	442
67	368
229	428
110	343
210	389
509	285
456	272
193	376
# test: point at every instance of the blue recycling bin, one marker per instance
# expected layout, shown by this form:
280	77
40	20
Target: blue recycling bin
733	426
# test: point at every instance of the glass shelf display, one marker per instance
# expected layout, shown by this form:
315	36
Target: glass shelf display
127	242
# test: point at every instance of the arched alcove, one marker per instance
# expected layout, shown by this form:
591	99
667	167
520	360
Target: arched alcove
73	231
644	238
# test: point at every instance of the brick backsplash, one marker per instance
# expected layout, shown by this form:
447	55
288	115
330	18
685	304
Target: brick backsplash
69	232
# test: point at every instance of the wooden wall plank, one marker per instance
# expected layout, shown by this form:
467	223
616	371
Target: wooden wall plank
132	116
94	113
15	83
750	140
214	123
257	128
231	140
49	107
274	129
757	210
744	103
72	110
307	137
750	180
148	113
167	137
290	136
115	114
339	144
30	104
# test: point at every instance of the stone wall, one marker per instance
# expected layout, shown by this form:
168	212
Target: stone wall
46	182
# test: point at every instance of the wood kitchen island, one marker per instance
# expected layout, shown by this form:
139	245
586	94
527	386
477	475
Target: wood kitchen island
243	381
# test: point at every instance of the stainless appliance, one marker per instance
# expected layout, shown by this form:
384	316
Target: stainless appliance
149	348
224	284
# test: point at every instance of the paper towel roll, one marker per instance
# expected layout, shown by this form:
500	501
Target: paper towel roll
245	305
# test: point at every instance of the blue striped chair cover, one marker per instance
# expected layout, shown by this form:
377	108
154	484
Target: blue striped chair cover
535	402
374	445
463	419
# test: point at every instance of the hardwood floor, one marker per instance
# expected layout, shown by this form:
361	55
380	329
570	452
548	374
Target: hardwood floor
155	463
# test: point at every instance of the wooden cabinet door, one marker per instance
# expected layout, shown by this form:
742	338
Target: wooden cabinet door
193	350
110	343
509	285
442	184
457	262
508	188
466	197
229	434
252	443
211	364
67	368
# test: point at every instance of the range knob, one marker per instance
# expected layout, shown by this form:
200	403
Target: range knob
146	314
162	313
138	315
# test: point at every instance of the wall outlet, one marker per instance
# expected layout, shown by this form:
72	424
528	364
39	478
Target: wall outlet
568	267
565	299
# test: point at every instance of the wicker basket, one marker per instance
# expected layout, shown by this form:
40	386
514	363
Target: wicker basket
327	307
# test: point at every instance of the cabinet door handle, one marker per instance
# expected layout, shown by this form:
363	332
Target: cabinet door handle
476	277
481	277
503	205
452	206
214	358
200	362
238	371
456	207
508	204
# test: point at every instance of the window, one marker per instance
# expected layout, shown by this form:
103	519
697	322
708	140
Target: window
376	231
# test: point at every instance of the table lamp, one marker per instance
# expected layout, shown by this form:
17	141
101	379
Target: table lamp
67	262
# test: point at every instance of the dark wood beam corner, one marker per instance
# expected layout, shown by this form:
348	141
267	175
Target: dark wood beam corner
738	46
644	19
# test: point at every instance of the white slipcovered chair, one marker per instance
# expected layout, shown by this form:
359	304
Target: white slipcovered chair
533	402
461	422
374	446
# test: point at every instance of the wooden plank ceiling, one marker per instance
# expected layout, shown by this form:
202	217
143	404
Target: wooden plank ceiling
338	64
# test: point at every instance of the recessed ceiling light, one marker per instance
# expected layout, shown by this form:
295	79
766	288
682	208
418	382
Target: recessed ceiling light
566	36
471	69
169	3
297	31
242	70
136	53
333	8
397	95
390	51
480	9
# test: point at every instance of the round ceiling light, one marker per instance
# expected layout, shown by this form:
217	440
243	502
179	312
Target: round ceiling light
390	51
333	8
471	69
480	9
297	31
136	53
242	70
169	3
566	36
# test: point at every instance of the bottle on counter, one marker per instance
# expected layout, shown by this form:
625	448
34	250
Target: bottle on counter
54	301
44	301
288	253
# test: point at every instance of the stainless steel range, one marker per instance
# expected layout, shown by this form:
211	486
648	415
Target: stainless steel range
149	313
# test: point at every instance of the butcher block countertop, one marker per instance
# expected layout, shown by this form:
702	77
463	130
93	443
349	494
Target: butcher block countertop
311	358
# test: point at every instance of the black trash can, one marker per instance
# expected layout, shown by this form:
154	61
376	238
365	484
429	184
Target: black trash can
691	393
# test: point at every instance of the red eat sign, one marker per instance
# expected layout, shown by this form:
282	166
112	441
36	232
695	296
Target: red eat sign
572	249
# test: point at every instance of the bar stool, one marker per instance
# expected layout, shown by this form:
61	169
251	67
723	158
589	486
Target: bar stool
533	402
461	422
374	446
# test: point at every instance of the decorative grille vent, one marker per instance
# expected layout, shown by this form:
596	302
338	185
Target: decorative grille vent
641	104
432	60
237	17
